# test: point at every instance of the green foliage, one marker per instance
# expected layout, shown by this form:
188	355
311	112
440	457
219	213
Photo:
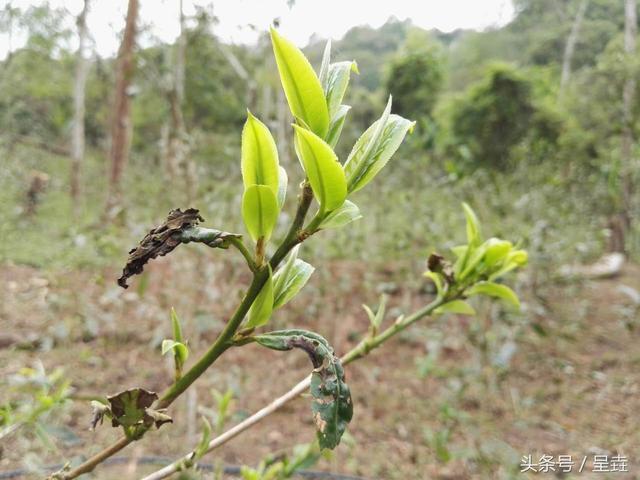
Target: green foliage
301	85
347	213
281	467
416	76
321	165
259	155
290	279
262	307
374	148
497	115
177	346
260	211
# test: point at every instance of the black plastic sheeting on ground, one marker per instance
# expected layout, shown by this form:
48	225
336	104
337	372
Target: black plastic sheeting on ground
228	470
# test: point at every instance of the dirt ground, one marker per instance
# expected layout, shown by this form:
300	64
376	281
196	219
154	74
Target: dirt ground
570	385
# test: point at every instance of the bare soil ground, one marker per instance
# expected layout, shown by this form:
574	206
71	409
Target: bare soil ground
571	389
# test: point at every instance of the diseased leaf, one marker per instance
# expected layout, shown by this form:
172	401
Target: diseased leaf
259	162
337	83
456	306
323	169
374	148
301	85
332	406
495	290
100	410
437	264
341	216
159	241
259	211
179	227
335	127
289	281
260	311
132	408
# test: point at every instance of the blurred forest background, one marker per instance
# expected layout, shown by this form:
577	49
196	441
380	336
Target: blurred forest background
535	124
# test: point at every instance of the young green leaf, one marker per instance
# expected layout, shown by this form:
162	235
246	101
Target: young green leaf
259	155
260	311
175	325
456	306
180	350
337	83
301	85
332	406
341	216
474	235
201	450
335	127
288	282
376	318
283	180
436	278
515	259
323	169
497	250
259	211
495	290
374	148
324	67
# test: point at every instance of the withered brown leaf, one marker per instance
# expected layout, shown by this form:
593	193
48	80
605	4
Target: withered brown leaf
159	241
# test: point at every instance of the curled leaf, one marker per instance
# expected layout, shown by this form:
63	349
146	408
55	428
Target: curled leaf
332	407
133	408
159	241
179	227
100	410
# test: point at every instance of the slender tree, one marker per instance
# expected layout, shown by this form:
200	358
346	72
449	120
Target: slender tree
620	222
120	121
79	84
630	33
570	47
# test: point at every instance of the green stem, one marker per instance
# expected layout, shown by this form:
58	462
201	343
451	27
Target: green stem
294	234
222	343
225	339
242	248
370	343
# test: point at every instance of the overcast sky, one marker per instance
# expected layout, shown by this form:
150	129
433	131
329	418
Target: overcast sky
328	18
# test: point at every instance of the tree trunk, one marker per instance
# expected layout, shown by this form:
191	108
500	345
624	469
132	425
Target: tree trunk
178	163
627	168
571	46
77	135
120	121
